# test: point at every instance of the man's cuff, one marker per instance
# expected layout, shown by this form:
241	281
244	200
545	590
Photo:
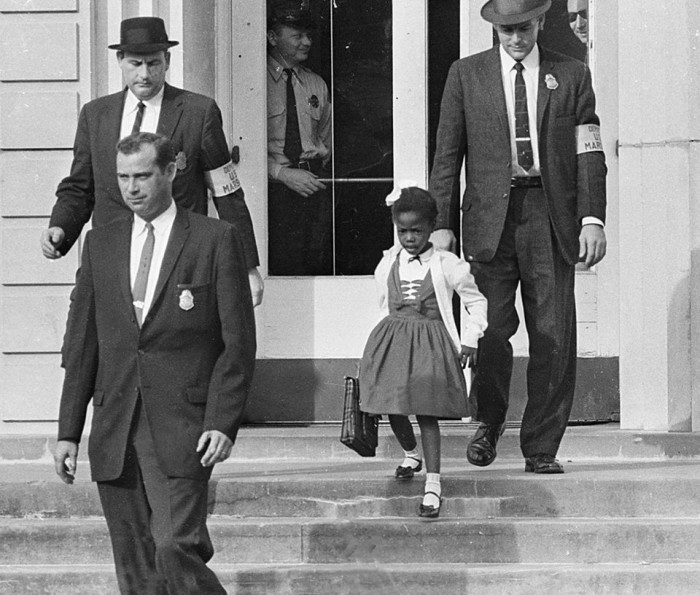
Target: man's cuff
273	170
592	221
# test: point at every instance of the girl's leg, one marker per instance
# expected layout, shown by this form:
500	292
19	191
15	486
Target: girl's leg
430	437
403	430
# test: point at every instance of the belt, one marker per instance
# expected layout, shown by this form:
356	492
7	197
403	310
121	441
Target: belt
526	182
312	165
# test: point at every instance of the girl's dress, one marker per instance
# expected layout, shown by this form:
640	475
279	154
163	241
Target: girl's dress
410	365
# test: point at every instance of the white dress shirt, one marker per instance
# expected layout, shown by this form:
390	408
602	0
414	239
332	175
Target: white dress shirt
162	226
151	113
412	268
531	76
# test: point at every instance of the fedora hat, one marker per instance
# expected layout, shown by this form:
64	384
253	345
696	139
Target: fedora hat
143	35
512	12
291	14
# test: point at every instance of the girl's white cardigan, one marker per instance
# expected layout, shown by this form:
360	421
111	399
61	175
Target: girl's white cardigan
450	273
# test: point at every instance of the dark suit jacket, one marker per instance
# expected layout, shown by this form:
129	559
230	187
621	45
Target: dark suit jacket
193	368
193	124
474	124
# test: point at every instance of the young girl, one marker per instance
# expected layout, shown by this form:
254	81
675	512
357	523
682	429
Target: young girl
413	361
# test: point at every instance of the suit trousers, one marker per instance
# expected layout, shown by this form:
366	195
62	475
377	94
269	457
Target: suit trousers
300	237
528	256
157	524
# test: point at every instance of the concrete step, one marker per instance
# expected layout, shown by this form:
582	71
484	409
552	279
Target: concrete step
321	442
366	488
384	579
383	541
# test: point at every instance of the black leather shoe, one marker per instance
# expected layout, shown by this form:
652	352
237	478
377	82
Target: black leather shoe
430	512
482	448
543	463
408	472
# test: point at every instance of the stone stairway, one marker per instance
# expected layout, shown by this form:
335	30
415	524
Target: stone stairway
296	512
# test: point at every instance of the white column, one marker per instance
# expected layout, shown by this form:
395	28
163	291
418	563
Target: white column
659	240
476	34
114	19
175	25
410	64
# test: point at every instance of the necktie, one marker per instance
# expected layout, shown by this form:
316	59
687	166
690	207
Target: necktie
522	121
416	257
139	118
139	291
292	137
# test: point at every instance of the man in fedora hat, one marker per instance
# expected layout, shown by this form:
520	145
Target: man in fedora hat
148	104
298	147
523	121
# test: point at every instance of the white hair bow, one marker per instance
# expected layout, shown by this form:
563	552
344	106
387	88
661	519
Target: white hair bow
395	194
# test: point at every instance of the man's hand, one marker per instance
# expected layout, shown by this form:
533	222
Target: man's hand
256	286
301	181
219	448
65	459
51	239
592	244
467	356
444	239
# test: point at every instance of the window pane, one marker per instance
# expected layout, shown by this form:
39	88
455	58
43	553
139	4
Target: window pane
343	229
363	133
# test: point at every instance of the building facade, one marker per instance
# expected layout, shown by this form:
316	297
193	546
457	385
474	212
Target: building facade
385	62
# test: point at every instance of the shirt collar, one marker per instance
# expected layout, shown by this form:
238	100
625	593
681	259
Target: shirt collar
131	101
161	222
424	256
276	68
530	62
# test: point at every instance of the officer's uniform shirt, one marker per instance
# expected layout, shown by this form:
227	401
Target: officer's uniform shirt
313	109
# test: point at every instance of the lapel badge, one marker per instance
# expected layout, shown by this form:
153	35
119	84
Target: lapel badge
181	161
550	81
313	101
186	300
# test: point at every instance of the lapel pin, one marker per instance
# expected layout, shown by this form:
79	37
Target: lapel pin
181	161
313	101
186	300
550	81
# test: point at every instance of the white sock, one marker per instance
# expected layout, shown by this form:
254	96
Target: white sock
432	484
411	458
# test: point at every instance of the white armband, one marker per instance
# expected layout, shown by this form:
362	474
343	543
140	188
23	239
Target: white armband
222	180
588	138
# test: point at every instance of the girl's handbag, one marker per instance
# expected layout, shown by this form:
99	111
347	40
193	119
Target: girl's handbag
359	430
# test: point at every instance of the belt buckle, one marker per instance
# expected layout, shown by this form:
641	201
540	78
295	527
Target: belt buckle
526	182
304	165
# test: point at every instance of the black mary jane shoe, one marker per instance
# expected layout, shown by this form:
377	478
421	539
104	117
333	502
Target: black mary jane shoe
408	472
430	512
